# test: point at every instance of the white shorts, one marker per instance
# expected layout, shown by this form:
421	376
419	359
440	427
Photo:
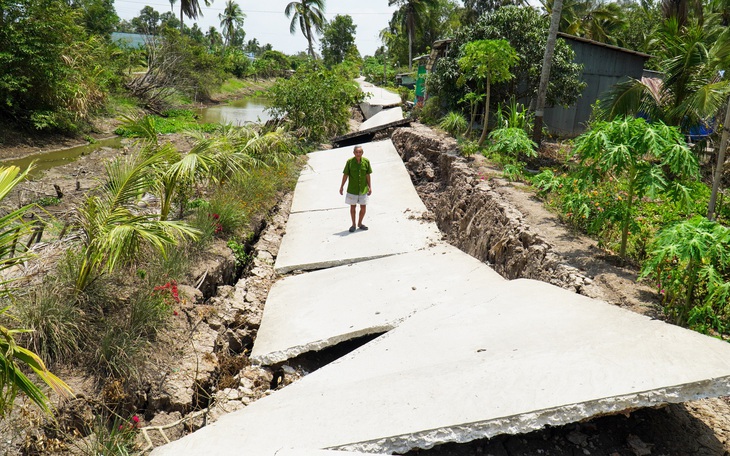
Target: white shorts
351	199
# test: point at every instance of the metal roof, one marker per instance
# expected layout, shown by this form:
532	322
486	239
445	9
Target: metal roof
609	46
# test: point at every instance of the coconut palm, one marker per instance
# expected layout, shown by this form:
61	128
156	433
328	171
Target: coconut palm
214	38
191	9
113	231
410	14
13	356
231	17
214	158
172	5
592	19
692	89
309	14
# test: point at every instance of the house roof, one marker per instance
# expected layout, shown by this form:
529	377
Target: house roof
597	43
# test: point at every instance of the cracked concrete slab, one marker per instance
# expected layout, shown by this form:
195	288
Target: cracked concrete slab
391	184
376	99
312	311
333	160
320	239
516	358
317	230
384	117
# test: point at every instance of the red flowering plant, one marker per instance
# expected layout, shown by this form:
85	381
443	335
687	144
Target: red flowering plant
168	292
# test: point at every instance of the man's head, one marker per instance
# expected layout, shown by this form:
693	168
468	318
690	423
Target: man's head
357	151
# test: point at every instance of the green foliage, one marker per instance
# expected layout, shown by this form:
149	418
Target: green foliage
338	40
243	259
271	64
431	111
690	264
54	318
52	74
172	121
416	24
315	102
469	148
511	142
514	115
112	435
526	31
378	70
649	159
454	123
112	231
486	62
13	357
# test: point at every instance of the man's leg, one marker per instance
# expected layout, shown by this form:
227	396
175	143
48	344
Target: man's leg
352	215
363	208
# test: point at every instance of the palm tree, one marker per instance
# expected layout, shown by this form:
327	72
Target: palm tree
12	356
590	19
692	89
308	14
231	17
410	13
172	5
191	9
214	38
112	230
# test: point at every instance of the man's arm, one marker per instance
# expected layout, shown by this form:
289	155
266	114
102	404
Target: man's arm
370	187
344	179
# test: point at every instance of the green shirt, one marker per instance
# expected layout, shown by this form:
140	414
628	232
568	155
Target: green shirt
357	183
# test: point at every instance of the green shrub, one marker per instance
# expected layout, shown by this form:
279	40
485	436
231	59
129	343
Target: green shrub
511	142
689	262
454	123
315	102
431	111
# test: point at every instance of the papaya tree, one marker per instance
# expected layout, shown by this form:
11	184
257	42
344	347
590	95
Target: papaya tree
486	62
689	263
648	159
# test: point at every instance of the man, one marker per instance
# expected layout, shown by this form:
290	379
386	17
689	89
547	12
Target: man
357	175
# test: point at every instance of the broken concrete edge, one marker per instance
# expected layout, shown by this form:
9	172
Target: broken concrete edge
284	355
309	452
332	264
533	421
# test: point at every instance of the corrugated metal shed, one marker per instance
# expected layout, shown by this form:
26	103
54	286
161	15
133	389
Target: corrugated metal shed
603	66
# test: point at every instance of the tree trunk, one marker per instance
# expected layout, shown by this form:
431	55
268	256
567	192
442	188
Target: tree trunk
545	73
410	49
720	163
486	115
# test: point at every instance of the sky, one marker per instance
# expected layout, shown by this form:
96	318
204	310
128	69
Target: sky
265	20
